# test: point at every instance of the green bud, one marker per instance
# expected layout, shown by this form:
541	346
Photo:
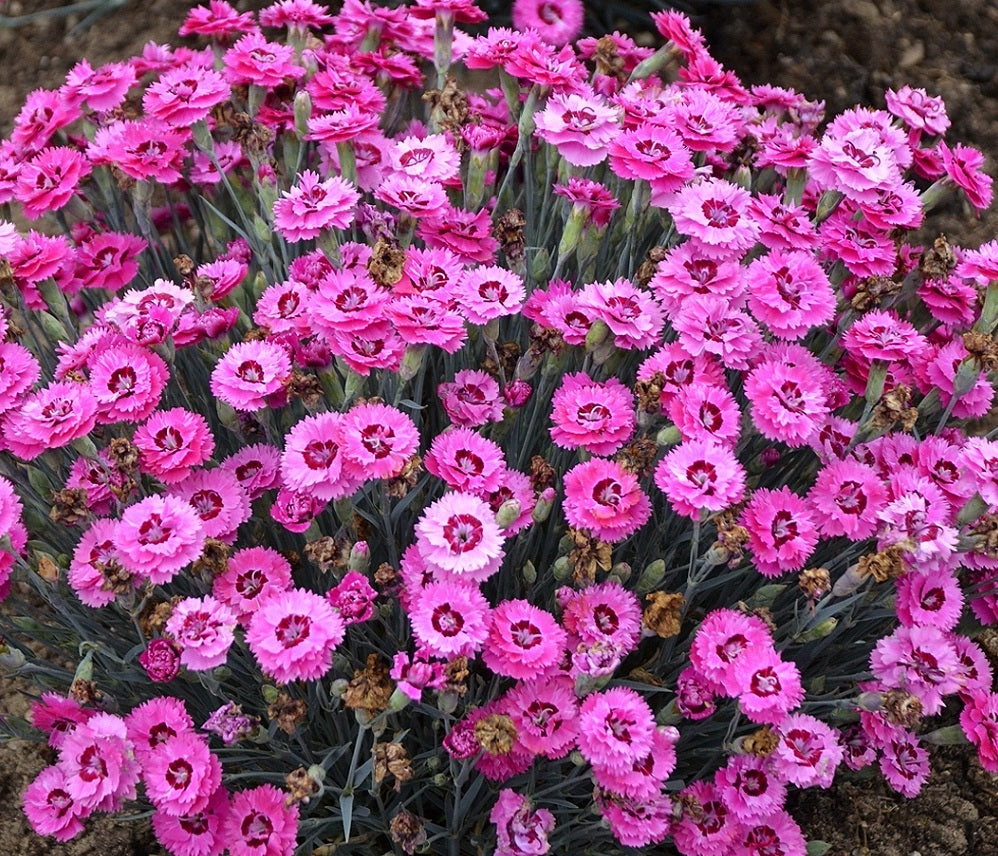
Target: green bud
508	513
818	631
989	313
302	111
202	136
562	569
261	228
651	577
875	382
53	327
668	436
85	670
827	203
542	509
529	572
85	446
765	595
949	735
360	558
655	63
621	572
40	482
269	693
597	335
398	701
974	508
447	702
338	687
412	362
11	659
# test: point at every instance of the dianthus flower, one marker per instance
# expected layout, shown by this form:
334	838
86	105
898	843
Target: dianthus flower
855	163
48	180
545	713
605	499
49	807
643	780
468	234
185	95
788	403
293	634
172	442
749	787
678	370
471	399
979	721
295	510
425	319
710	829
256	61
449	619
768	687
703	411
158	536
97	759
127	382
57	715
217	18
458	536
520	829
699	475
964	168
782	531
712	325
864	249
523	640
181	774
580	125
790	293
45	111
486	292
106	260
655	154
377	440
808	753
557	22
251	574
148	316
196	834
260	822
465	460
616	728
353	598
249	373
598	417
94	563
882	335
590	200
918	110
218	499
694	695
847	497
312	207
919	659
161	660
18	372
636	823
725	643
631	313
202	629
49	418
296	15
145	151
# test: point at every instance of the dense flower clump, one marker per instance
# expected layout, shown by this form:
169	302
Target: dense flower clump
574	461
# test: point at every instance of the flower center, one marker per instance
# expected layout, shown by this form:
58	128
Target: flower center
463	532
446	621
293	630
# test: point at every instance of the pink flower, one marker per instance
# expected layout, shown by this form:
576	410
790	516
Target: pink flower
645	777
703	411
142	150
172	442
218	499
431	157
185	95
261	823
632	314
293	634
782	531
920	659
18	372
616	728
847	497
458	536
768	687
598	417
705	120
161	660
296	15
520	829
312	207
202	628
217	18
101	89
636	823
776	833
312	460
710	325
127	382
932	598
710	828
256	61
295	510
579	124
591	201
353	598
195	834
487	292
466	233
918	110
725	644
49	807
523	640
465	460
44	112
545	713
106	260
471	399
964	168
449	619
880	335
856	162
251	575
94	560
715	213
48	181
57	715
377	440
158	536
699	475
556	21
603	613
97	760
790	293
604	499
788	403
181	774
655	154
250	373
749	787
414	197
256	467
49	419
979	720
904	763
808	753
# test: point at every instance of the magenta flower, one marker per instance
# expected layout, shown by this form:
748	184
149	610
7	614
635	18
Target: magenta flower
158	536
49	807
715	213
603	613
979	721
353	598
655	154
202	628
312	206
57	716
643	780
523	640
616	728
846	498
260	822
254	60
296	15
293	634
312	461
636	823
856	162
932	598
181	774
580	125
18	372
468	234
250	373
449	619
48	181
782	531
172	442
94	556
98	762
590	200
127	382
45	111
251	575
598	417
631	313
711	325
488	292
964	168
144	151
545	713
918	110
710	829
808	753
700	475
219	500
790	293
726	643
377	440
295	510
703	411
919	659
432	158
605	499
195	834
458	537
471	399
106	260
748	786
557	23
161	660
788	403
185	95
880	335
768	687
466	461
216	18
520	829
49	418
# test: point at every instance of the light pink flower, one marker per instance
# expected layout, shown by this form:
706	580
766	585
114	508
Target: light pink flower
377	440
195	834
709	829
101	89
185	95
598	417
616	728
218	499
808	753
202	628
782	531
487	292
918	110
49	807
98	762
711	325
788	403
431	157
749	787
249	373
580	125
523	640
471	399
312	461
655	154
715	213
172	442
49	419
313	206
127	382
260	822
181	774
458	536
256	467
18	372
142	150
699	475
545	713
605	500
216	18
520	829
556	21
920	659
631	313
449	619
95	556
293	634
465	460
468	234
703	411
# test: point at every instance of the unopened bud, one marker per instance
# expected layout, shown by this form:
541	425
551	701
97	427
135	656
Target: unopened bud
651	577
529	573
818	631
360	557
508	513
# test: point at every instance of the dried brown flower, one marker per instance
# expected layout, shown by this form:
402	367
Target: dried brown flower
902	708
638	457
938	261
815	582
456	677
496	734
588	555
406	480
407	831
894	410
449	107
542	474
69	507
647	268
872	290
371	687
301	786
385	264
982	348
86	693
287	712
761	743
153	618
664	613
392	759
649	393
306	387
214	559
329	554
385	576
882	566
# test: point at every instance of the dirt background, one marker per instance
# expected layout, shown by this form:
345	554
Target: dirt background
843	51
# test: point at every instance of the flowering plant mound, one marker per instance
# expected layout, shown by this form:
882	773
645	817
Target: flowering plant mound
570	459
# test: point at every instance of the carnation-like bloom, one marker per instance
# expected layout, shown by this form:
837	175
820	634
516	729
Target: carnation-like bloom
202	628
161	660
181	774
48	181
598	417
808	753
98	761
715	213
218	499
49	418
768	687
127	382
449	619
313	206
249	373
466	460
49	807
634	317
377	440
725	643
847	498
260	822
185	95
172	442
250	576
700	475
489	291
605	499
748	785
293	634
579	124
782	531
523	640
705	411
558	22
195	834
158	536
95	561
458	536
313	462
256	61
919	659
790	293
545	713
520	829
788	403
471	399
616	728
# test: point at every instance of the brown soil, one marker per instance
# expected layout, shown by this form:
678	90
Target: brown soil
843	51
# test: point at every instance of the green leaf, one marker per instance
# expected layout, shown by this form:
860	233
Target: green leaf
818	848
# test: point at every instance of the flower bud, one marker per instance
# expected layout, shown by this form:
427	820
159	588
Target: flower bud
621	572
562	569
398	701
651	577
412	362
668	436
508	513
543	507
597	335
529	573
11	659
302	112
360	557
818	631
